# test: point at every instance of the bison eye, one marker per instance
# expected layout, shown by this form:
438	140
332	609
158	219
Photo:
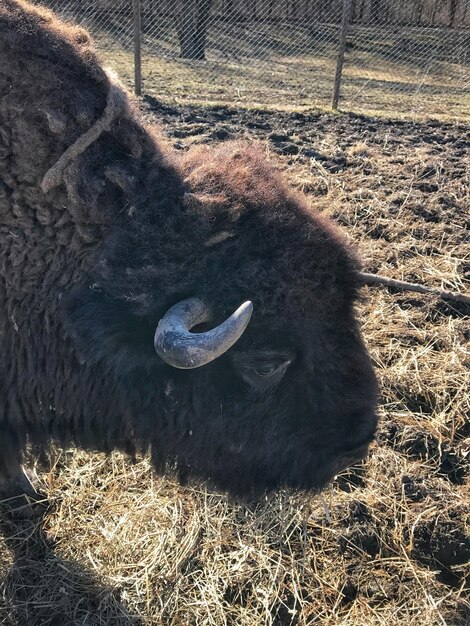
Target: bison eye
266	370
262	370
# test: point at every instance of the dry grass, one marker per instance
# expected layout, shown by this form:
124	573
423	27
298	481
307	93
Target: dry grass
301	83
389	544
294	71
393	70
183	556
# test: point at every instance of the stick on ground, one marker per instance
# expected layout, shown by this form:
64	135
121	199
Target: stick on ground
375	279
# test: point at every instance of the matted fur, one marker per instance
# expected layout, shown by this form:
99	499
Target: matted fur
90	266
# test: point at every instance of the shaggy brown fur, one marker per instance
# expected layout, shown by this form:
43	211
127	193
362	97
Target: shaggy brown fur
91	263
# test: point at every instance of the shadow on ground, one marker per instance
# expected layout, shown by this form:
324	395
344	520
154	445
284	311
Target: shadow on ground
41	589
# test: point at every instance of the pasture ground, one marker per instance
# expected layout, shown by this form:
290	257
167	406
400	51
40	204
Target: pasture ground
419	72
389	543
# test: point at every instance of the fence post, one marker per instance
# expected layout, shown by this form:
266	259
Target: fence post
137	50
342	47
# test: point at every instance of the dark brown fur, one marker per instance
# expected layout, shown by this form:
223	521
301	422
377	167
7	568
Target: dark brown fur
88	269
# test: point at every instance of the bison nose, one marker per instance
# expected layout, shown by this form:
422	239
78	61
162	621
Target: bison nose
363	426
361	452
353	456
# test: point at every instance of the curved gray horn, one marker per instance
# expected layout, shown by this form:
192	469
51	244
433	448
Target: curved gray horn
180	348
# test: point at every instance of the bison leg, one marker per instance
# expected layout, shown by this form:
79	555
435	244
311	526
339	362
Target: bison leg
18	493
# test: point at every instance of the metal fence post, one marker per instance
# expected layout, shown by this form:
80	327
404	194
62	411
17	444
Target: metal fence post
342	47
137	48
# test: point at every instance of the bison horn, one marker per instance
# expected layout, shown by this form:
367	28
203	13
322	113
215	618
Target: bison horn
180	348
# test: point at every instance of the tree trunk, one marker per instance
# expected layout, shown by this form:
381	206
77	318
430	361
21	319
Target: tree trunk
360	17
270	8
376	8
420	13
192	28
306	12
228	9
293	10
452	11
464	15
434	11
353	10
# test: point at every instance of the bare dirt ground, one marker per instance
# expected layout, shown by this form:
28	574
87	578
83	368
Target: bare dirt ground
389	544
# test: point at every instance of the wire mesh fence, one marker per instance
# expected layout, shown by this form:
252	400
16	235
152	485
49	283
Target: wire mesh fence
408	57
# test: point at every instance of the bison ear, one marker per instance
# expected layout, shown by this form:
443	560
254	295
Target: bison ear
103	328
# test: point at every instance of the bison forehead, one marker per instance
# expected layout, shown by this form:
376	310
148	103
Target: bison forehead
248	227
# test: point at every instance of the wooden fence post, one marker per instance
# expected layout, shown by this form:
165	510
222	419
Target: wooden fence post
137	49
342	47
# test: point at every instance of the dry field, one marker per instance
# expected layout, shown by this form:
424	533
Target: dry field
418	72
389	69
389	543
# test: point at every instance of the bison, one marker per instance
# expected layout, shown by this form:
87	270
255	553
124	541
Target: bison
122	264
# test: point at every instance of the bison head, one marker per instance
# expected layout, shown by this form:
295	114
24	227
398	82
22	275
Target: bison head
284	398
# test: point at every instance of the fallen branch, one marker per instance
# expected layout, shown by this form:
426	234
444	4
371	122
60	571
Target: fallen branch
375	279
